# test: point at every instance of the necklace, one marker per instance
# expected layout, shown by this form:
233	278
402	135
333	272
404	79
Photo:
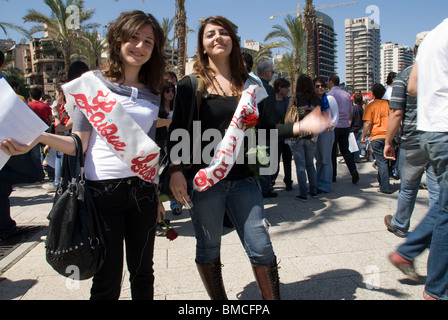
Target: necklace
233	88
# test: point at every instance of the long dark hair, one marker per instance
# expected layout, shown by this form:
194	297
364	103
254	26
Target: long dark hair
167	86
305	88
120	31
202	67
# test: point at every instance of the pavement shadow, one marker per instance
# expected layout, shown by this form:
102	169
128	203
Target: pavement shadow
341	284
10	290
327	207
31	201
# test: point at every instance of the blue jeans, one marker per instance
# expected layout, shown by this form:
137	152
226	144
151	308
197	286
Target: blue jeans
303	152
382	163
357	154
420	238
435	145
58	168
412	164
324	166
243	201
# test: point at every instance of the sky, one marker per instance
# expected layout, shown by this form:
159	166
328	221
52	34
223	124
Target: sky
399	20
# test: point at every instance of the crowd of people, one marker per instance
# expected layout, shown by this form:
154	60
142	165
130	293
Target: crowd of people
315	125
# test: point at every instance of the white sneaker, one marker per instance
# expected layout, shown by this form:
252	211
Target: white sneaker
49	187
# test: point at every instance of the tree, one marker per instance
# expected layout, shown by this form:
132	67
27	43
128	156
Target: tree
167	26
12	73
64	23
293	39
6	25
309	21
286	65
181	35
91	46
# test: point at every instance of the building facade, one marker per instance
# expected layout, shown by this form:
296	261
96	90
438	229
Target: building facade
44	65
362	54
325	44
394	58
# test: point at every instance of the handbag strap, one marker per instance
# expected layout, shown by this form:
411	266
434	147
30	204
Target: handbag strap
194	102
70	172
79	154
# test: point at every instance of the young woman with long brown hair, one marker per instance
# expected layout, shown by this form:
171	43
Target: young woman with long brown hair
126	200
227	84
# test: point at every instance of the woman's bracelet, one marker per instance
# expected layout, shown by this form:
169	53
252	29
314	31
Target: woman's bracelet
175	168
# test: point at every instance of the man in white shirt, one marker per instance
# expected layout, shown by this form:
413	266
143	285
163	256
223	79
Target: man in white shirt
429	78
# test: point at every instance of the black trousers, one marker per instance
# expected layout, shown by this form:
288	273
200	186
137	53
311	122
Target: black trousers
128	208
285	152
341	140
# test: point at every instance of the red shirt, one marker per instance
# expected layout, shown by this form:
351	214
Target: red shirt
41	109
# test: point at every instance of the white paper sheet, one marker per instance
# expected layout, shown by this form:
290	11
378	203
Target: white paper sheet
17	119
352	144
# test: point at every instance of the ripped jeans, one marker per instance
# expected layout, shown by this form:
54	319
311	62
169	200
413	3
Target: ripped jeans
243	201
128	208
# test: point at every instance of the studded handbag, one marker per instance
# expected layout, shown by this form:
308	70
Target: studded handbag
75	246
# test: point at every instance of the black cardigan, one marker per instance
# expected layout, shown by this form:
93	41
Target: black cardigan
182	113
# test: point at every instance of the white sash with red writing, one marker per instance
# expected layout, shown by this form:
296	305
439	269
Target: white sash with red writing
122	134
228	149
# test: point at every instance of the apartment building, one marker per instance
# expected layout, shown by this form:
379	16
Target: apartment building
394	58
44	65
362	54
325	44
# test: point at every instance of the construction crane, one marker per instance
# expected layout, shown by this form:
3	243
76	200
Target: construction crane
298	12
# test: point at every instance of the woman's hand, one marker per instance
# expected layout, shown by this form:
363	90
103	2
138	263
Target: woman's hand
178	186
160	212
316	122
13	148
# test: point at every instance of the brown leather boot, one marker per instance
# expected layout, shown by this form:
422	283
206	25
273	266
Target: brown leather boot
268	280
212	278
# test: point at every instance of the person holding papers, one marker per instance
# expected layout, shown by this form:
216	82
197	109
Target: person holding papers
113	112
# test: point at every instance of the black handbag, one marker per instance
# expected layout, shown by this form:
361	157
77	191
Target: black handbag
75	245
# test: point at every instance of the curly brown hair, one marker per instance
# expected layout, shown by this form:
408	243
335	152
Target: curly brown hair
120	31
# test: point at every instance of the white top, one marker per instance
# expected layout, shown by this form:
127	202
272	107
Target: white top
432	97
334	110
388	93
101	162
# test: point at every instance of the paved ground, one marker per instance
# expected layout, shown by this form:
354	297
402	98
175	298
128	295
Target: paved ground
334	247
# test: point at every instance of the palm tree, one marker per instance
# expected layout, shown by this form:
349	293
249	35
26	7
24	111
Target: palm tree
91	46
293	39
181	35
57	23
6	25
286	65
167	26
309	21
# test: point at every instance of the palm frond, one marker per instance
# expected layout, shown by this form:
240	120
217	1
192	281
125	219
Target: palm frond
5	25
